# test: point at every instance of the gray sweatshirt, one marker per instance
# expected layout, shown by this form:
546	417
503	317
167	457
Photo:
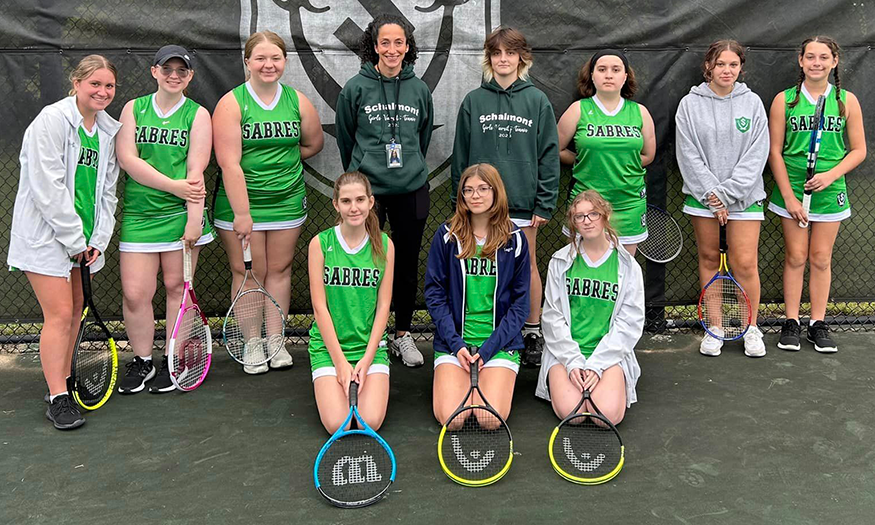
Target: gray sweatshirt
722	145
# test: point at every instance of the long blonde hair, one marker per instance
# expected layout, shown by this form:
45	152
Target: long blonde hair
499	216
372	223
600	205
89	65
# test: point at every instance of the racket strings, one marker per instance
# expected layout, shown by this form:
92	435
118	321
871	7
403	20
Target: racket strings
254	328
586	448
189	361
477	445
93	364
664	239
726	308
354	470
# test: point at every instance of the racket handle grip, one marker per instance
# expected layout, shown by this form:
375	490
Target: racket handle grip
247	254
806	205
353	393
186	263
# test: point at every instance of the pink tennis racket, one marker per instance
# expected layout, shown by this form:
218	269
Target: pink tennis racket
190	347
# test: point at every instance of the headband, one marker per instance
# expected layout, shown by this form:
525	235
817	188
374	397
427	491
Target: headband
607	52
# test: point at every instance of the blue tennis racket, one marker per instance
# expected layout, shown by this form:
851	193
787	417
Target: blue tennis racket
355	467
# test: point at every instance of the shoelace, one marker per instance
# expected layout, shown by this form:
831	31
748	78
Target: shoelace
406	344
821	331
135	363
790	328
64	404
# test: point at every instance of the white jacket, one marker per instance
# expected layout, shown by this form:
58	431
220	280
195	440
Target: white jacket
617	347
46	231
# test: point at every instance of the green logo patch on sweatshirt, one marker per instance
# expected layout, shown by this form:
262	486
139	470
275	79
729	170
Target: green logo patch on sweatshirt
743	124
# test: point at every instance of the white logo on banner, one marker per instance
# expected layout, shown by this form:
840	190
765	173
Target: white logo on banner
319	38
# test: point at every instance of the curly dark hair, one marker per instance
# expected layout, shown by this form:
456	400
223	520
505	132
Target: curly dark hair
368	54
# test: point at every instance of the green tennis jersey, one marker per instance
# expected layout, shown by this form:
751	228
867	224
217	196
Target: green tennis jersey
85	187
609	153
163	142
800	122
592	295
271	160
352	283
481	276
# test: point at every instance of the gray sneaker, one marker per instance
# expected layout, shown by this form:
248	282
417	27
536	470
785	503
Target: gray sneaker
405	348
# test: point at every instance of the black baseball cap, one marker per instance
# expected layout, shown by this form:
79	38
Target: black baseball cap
172	51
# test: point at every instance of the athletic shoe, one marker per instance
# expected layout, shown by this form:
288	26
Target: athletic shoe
818	333
137	372
162	383
254	351
753	342
790	335
64	414
534	347
282	359
405	348
710	345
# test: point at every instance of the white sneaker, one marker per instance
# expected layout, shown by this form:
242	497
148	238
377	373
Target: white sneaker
405	348
711	345
253	352
282	359
753	342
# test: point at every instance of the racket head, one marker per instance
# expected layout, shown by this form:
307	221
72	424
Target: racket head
475	446
190	349
94	367
585	448
724	308
254	327
664	237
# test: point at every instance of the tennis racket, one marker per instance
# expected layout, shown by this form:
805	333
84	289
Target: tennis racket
254	327
475	447
190	349
95	357
586	448
664	239
724	308
355	467
813	149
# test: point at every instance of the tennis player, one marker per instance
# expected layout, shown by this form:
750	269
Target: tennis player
614	138
383	123
64	216
477	292
722	144
351	266
790	126
509	123
164	146
593	315
262	130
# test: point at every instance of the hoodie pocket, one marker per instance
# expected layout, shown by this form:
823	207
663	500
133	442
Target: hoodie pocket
519	183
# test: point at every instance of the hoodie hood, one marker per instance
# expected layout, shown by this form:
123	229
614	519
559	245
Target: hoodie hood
703	90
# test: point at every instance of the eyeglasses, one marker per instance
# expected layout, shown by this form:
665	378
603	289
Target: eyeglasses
468	191
181	72
582	217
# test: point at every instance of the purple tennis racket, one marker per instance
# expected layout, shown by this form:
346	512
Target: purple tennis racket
190	347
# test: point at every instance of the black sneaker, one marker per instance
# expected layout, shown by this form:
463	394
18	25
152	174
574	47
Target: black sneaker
64	414
818	333
531	356
790	335
137	372
162	382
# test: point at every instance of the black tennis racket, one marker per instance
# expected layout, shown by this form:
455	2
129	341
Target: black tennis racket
475	447
813	149
664	238
95	357
586	448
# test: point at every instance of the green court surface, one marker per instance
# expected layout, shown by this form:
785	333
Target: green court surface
729	440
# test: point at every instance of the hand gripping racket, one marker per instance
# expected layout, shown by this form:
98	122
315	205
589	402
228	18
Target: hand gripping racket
190	349
254	328
724	308
813	149
475	447
355	467
664	239
586	448
95	357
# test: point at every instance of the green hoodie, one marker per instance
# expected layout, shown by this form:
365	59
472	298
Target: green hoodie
363	126
513	129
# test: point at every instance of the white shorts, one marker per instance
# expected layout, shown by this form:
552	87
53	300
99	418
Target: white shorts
492	363
330	371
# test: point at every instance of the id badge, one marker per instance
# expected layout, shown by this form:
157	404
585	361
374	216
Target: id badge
393	155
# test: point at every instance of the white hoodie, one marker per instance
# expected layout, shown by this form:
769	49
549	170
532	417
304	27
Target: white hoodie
617	347
46	231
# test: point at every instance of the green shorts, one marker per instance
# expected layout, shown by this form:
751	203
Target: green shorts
158	234
829	205
754	212
505	359
269	210
321	364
